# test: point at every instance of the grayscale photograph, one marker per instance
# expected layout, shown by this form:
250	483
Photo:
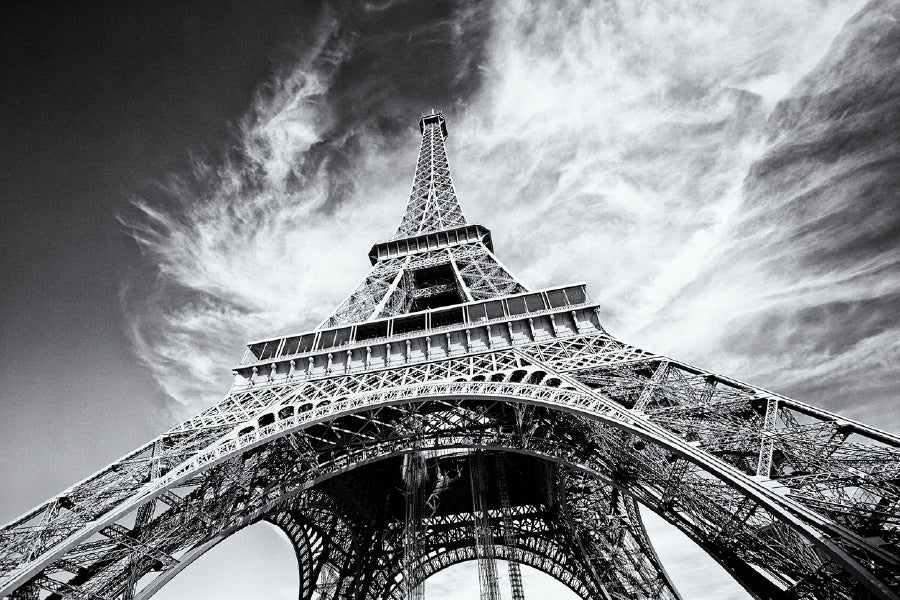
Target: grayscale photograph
451	300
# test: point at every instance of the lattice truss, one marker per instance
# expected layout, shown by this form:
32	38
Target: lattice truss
536	452
432	203
394	285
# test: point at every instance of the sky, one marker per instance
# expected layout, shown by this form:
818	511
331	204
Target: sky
178	179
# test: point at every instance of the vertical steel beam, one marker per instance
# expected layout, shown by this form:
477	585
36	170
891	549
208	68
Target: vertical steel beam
484	537
413	474
767	441
509	537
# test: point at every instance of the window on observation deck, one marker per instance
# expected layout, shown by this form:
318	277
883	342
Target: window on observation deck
534	302
371	331
333	337
557	298
517	305
265	350
298	344
494	310
576	294
408	324
447	317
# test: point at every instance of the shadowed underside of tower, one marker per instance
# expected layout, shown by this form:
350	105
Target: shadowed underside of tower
446	413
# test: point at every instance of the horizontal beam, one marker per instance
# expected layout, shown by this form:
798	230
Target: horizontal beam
428	242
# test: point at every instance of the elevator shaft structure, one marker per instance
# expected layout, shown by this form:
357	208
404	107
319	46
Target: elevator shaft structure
509	538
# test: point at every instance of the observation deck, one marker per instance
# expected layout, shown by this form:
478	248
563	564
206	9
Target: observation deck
447	331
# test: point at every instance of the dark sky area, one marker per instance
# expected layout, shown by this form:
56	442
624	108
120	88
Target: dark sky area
105	103
97	105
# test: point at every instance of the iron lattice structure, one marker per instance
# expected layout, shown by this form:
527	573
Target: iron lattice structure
445	413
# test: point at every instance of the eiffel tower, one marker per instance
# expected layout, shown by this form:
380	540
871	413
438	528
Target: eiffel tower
446	413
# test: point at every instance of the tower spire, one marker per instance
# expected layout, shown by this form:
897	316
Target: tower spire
436	258
432	205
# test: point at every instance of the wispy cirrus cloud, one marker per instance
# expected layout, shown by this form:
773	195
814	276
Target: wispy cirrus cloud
253	242
270	236
683	160
626	133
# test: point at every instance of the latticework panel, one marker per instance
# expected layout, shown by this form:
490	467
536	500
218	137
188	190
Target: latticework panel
360	305
389	289
432	203
483	274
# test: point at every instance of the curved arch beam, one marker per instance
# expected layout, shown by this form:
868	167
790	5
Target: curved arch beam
301	540
452	441
585	405
532	558
378	568
504	554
